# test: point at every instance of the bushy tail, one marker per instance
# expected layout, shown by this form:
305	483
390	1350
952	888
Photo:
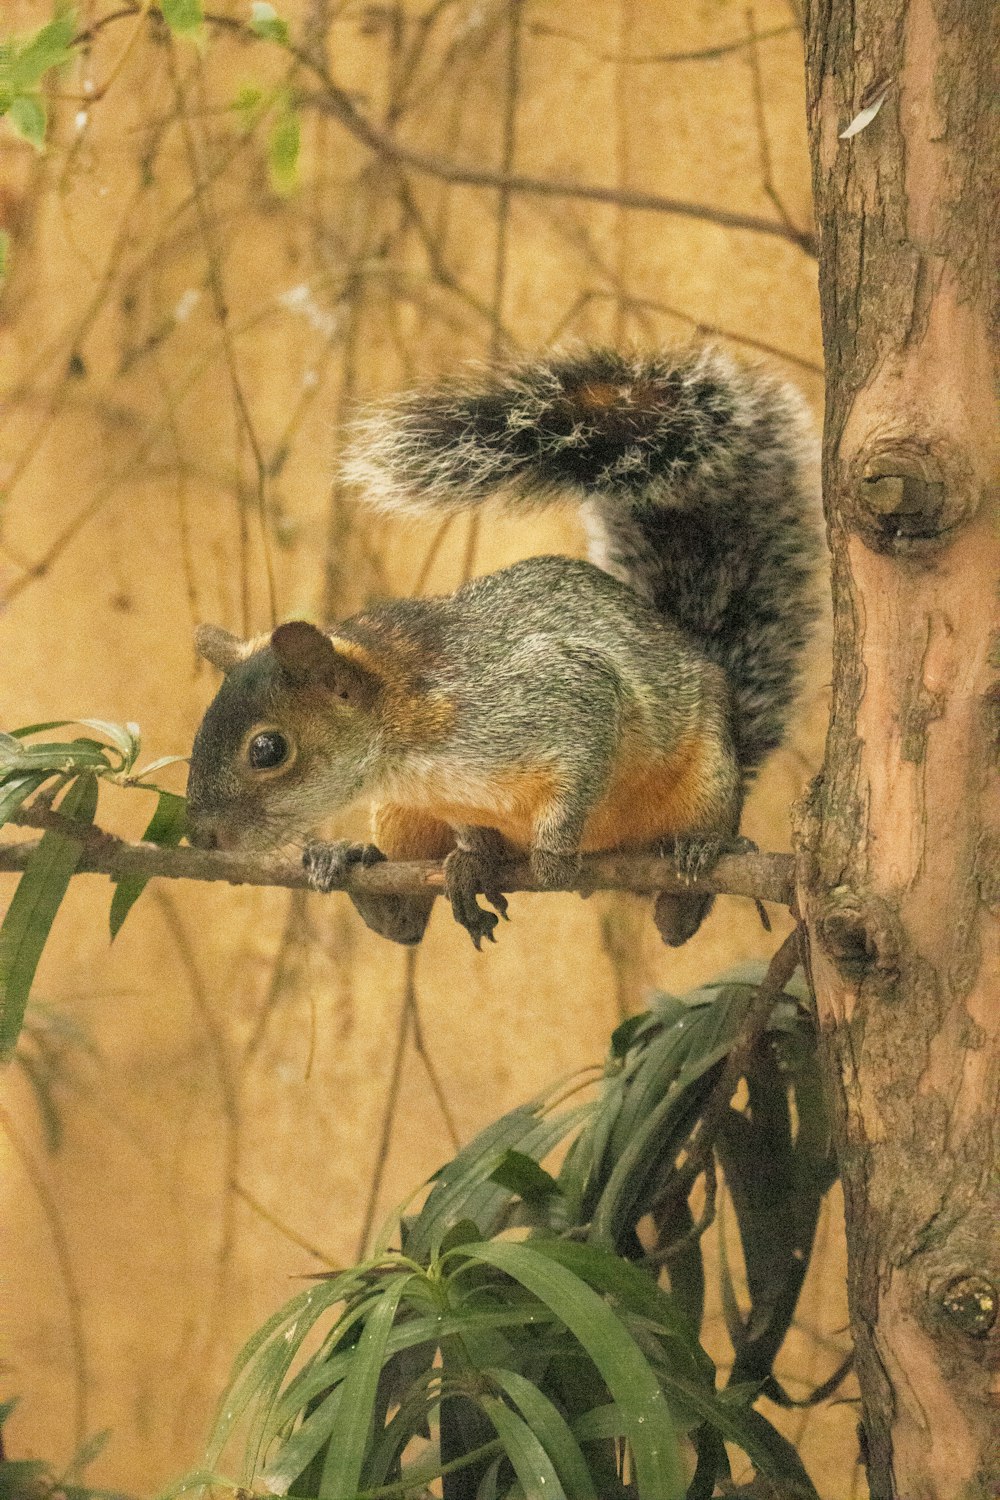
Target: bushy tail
692	471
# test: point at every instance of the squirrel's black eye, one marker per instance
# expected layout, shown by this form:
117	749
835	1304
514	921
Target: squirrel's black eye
267	750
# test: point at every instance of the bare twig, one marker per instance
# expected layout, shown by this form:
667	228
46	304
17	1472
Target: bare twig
700	1146
407	1019
335	102
60	1244
767	877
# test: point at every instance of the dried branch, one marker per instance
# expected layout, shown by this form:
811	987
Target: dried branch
335	102
762	876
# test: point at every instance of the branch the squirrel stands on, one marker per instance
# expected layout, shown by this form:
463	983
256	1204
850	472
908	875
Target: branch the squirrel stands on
758	876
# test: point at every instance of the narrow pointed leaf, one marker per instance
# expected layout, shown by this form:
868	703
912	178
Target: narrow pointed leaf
349	1435
552	1431
33	908
626	1371
166	829
531	1463
16	789
298	1450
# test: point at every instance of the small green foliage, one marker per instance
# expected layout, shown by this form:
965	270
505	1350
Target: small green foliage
29	118
184	17
166	828
34	906
283	146
71	769
265	22
24	62
250	104
530	1368
33	1479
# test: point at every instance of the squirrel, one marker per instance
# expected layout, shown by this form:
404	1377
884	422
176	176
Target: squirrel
557	706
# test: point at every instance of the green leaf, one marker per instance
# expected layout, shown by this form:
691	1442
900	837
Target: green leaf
522	1174
463	1188
34	905
314	1379
552	1431
531	1463
29	117
636	1292
624	1034
166	829
301	1448
124	737
265	22
158	765
625	1369
85	1455
27	729
22	1477
69	757
31	57
283	152
17	789
351	1430
184	17
250	102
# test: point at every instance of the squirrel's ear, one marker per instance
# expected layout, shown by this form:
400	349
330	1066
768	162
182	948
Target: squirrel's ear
219	647
308	657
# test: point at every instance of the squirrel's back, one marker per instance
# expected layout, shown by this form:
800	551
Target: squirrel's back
692	472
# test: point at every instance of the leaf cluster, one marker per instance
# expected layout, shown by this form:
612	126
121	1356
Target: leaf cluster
24	63
519	1343
34	1479
67	770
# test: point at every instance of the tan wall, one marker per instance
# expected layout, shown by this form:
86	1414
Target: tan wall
248	1036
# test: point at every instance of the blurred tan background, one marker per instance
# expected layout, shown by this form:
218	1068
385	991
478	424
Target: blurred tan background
186	323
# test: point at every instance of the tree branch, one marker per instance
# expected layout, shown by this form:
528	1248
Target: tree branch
765	877
336	102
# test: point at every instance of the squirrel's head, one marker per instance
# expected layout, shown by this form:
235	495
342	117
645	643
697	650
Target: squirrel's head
286	740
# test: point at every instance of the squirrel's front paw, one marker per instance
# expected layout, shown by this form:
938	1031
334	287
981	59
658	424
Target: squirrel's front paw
327	864
696	856
466	875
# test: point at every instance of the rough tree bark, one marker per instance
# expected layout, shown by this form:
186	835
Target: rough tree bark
900	843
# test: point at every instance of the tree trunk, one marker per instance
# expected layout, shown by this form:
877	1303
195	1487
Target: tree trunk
899	871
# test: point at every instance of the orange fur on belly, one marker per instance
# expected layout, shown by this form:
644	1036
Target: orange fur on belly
654	796
651	796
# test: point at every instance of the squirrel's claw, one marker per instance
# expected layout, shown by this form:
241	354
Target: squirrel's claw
696	855
466	875
678	915
326	864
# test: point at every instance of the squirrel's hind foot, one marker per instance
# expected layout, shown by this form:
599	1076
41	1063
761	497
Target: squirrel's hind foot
697	855
679	915
467	874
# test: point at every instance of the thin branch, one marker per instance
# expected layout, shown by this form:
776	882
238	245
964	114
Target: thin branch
407	1017
700	1146
60	1245
336	103
761	876
636	59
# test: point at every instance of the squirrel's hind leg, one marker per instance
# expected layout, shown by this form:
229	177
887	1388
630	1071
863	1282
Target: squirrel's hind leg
473	869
